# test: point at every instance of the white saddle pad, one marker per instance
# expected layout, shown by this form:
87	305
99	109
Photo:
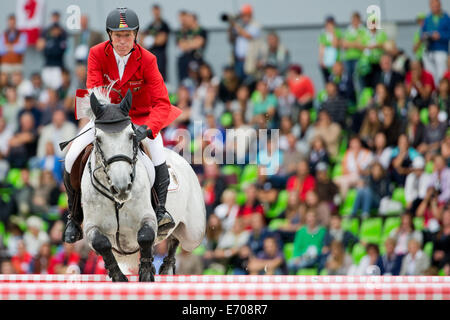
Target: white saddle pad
174	184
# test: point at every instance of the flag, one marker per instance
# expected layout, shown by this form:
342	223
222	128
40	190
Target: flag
30	18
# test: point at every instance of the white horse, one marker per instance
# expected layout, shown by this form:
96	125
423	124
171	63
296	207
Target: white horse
119	221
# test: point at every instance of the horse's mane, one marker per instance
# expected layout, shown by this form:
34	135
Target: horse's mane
102	93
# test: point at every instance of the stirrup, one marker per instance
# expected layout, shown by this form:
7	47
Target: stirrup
163	213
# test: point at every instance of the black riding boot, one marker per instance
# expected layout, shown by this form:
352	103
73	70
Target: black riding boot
162	180
73	231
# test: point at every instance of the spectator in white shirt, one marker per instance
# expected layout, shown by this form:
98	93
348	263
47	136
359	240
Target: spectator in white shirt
228	209
416	261
416	184
35	237
57	131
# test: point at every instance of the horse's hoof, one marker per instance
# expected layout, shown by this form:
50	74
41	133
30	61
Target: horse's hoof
164	269
147	273
146	277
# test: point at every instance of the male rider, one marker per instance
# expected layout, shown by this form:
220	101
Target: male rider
122	59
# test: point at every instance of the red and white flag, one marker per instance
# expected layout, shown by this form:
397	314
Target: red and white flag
30	18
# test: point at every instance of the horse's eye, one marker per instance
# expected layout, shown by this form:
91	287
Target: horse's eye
99	140
131	136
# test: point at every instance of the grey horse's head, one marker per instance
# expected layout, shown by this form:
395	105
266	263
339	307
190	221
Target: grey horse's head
115	144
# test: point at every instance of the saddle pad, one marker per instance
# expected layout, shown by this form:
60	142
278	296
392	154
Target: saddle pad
174	184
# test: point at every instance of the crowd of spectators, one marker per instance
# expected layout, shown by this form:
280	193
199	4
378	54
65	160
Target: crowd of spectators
357	183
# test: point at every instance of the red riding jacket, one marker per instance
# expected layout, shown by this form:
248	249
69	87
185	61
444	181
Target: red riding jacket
150	103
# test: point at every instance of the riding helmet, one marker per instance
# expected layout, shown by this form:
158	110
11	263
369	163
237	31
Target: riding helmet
121	19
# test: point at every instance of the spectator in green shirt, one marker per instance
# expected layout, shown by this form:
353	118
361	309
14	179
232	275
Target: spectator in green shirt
352	44
418	44
308	244
373	41
329	47
264	103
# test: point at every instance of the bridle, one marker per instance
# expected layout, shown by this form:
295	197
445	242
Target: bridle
109	192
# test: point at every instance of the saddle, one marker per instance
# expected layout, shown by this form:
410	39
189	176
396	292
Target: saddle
78	167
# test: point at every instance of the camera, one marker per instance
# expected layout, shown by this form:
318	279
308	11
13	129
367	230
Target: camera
226	17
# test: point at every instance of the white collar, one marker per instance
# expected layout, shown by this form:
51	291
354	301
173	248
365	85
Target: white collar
124	58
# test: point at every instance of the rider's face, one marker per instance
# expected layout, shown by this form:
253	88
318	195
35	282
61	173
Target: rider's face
122	41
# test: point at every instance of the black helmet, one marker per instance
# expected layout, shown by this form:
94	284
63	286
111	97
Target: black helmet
121	19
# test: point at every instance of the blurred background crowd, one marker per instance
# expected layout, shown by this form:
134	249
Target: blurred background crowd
363	181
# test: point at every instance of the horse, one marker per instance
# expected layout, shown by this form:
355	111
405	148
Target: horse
119	219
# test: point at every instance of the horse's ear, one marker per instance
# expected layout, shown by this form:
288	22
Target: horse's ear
125	104
97	108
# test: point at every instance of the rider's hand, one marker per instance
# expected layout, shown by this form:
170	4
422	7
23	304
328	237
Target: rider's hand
141	132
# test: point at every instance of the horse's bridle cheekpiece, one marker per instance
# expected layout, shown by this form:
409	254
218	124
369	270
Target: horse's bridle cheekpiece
112	118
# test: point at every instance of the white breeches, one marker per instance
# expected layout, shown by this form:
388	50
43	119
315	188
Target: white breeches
155	147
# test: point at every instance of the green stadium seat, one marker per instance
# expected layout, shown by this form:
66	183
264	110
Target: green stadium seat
230	169
6	239
307	272
322	96
364	97
280	205
45	226
213	272
199	251
226	120
371	230
337	171
428	248
390	224
5	194
288	250
313	115
62	200
347	206
275	224
399	195
2	229
324	272
358	252
351	225
343	148
424	116
429	167
249	175
240	198
14	177
419	223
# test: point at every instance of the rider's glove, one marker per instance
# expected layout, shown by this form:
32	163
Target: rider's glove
141	132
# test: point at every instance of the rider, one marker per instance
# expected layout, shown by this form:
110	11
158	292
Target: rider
122	59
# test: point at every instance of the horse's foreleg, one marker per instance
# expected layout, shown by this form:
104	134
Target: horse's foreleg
146	237
102	245
169	260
